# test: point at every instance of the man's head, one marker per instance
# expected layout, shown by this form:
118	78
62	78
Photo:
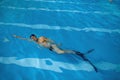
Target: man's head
33	37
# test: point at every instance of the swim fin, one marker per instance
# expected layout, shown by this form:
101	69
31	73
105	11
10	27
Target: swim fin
85	59
89	51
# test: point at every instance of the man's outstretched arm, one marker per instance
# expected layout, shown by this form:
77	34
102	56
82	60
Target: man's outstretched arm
19	37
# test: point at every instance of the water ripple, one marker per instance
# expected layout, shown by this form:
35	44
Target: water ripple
68	28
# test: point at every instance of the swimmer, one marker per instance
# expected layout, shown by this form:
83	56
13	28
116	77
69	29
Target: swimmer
52	46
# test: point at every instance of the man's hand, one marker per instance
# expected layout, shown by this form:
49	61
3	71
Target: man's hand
60	44
16	36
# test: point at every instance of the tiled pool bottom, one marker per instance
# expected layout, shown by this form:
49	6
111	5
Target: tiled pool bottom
77	25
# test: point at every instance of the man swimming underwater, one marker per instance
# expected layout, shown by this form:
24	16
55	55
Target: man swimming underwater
52	46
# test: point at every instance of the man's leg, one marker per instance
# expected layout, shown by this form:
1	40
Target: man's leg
60	51
57	50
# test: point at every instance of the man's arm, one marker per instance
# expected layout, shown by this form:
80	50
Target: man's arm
15	36
51	41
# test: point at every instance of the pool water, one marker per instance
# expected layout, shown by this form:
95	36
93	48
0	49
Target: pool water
75	24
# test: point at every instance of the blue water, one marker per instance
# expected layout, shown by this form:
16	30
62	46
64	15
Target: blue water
76	24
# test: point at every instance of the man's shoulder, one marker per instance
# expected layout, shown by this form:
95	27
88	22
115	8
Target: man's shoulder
42	37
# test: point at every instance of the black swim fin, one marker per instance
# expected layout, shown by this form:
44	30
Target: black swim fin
85	59
89	51
95	68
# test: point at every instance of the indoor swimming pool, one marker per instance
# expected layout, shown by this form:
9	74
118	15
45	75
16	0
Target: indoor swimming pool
78	25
